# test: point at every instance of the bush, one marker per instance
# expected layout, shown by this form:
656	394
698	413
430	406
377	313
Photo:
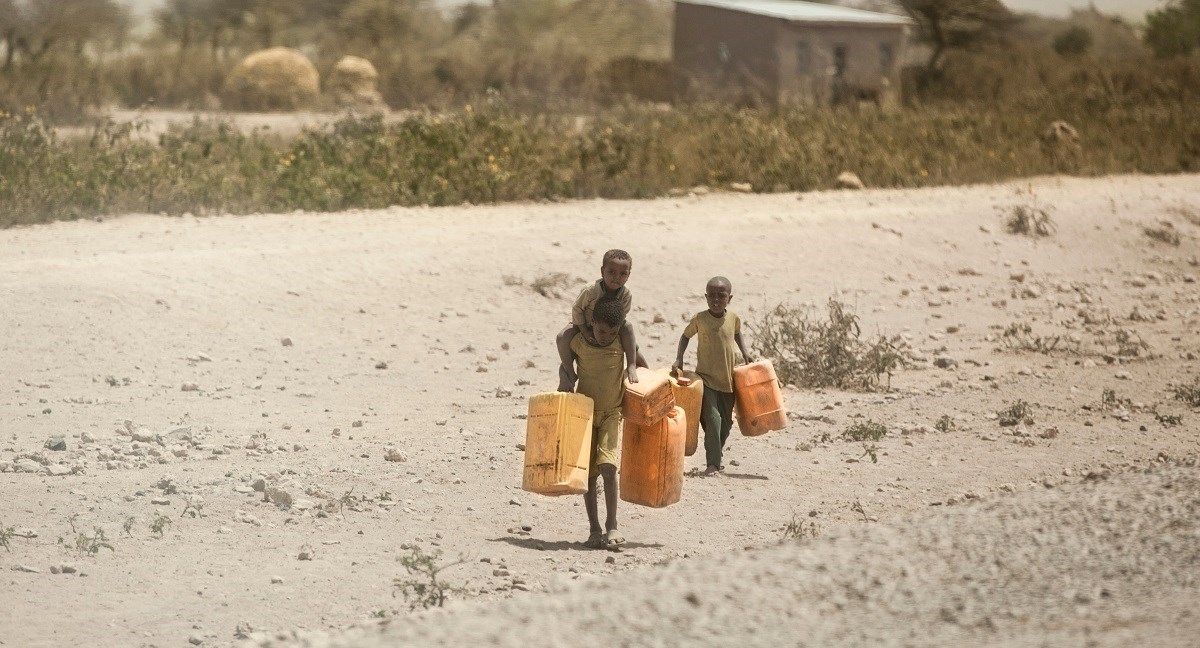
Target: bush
829	352
1074	41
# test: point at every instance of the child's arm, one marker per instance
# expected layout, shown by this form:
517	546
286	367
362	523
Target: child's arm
630	348
567	376
683	345
737	337
566	359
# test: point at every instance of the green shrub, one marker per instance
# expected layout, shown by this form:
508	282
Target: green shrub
830	352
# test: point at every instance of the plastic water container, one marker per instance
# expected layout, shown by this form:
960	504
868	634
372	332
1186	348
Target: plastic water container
558	443
649	399
689	395
652	461
759	401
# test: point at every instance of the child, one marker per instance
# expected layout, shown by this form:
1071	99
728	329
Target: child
614	272
719	329
601	367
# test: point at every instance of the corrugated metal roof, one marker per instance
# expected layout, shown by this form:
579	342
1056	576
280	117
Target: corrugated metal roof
797	11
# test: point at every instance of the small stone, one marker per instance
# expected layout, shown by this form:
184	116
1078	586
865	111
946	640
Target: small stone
160	501
943	362
394	455
610	560
514	502
306	553
847	180
55	569
742	187
189	387
276	580
27	569
86	437
259	484
195	640
56	443
68	568
381	365
287	341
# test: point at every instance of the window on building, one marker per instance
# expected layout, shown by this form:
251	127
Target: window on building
804	57
840	55
885	58
723	53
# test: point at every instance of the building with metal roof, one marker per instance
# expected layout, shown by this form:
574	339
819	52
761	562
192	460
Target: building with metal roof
786	51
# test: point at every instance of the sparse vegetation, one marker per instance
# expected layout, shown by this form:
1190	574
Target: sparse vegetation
828	352
1168	420
1015	414
857	507
870	450
158	526
1110	400
1164	233
865	431
1019	336
1029	218
422	588
799	528
944	424
552	284
1188	394
128	525
6	533
1127	344
91	545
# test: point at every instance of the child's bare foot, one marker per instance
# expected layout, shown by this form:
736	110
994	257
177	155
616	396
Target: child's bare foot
595	541
710	471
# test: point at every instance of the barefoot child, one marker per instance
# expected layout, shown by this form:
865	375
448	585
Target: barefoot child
614	272
719	330
601	369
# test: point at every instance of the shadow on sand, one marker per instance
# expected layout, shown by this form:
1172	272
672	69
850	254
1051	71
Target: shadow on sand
567	545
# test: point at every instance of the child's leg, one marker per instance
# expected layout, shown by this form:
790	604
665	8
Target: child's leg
609	472
631	351
595	532
710	420
726	416
565	357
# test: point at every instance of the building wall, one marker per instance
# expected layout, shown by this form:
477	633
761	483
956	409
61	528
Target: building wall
869	65
721	51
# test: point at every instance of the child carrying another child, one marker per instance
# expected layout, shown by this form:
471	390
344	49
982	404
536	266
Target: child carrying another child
614	272
719	329
600	359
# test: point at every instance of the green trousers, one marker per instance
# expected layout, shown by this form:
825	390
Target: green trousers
716	417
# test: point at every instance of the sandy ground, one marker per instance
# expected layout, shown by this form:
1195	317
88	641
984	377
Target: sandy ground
156	348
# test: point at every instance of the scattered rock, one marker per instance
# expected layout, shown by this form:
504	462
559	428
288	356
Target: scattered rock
189	387
394	455
56	443
943	362
381	365
848	180
287	341
27	569
306	553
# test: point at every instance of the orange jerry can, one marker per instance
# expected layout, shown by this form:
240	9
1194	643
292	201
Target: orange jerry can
652	461
688	389
649	399
558	443
759	402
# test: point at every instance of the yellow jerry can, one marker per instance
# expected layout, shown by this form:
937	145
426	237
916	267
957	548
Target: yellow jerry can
558	443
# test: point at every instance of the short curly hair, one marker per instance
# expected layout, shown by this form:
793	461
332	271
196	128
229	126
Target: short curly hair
616	255
609	310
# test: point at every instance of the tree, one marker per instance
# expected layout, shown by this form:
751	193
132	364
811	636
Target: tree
1174	30
76	23
1074	41
954	23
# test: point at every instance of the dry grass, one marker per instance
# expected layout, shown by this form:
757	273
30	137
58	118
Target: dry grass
825	352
